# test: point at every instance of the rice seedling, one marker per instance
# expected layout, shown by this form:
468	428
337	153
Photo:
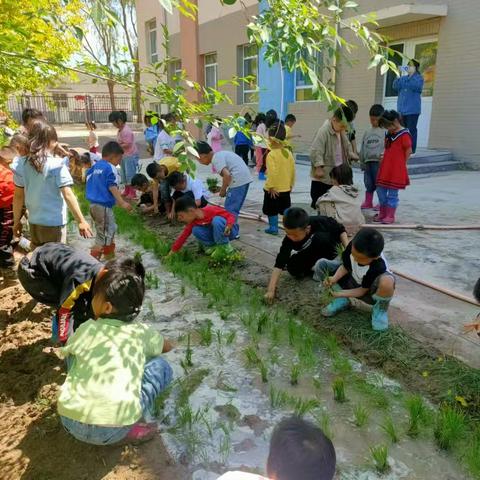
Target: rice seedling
449	427
263	372
342	366
472	453
206	335
330	343
317	384
338	388
418	414
182	290
325	423
262	322
151	280
306	352
360	415
218	334
380	458
390	429
251	356
230	338
278	398
302	406
326	296
187	362
225	446
294	374
224	314
292	328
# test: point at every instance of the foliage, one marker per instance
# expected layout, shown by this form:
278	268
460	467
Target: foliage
361	415
338	388
390	429
36	40
418	414
449	427
294	374
380	458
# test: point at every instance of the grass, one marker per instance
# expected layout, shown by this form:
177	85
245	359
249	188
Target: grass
251	356
418	414
379	455
388	426
361	416
151	280
338	387
294	374
206	334
449	427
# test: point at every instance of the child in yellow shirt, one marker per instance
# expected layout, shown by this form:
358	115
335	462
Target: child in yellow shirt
280	179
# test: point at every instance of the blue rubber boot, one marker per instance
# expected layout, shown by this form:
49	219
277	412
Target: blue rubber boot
338	305
273	228
380	313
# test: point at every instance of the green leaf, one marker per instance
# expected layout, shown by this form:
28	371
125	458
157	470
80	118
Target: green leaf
383	69
178	146
351	4
167	4
192	151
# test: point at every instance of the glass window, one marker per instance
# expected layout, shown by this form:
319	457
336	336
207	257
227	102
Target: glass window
211	70
175	71
391	76
60	100
152	41
250	69
426	55
303	84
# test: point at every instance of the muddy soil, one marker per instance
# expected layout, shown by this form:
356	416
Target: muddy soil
33	444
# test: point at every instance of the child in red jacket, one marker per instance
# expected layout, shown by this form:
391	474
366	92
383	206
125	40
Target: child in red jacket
7	187
393	173
211	226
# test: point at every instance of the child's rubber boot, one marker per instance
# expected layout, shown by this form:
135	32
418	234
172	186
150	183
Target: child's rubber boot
96	252
109	251
262	176
273	228
338	305
368	202
389	216
380	313
140	433
380	215
54	337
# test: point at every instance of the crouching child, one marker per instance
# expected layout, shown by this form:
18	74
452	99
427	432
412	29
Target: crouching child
361	273
211	226
115	371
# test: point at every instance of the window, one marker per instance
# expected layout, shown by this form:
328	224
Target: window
60	100
303	84
151	36
250	69
211	70
175	71
391	76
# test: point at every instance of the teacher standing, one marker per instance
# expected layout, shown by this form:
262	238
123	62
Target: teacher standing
409	104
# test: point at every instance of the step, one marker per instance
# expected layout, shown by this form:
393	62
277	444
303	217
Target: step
434	167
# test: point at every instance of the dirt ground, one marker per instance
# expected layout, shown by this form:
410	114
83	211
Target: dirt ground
33	444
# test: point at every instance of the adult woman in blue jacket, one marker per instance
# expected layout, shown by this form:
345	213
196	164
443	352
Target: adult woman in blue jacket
409	104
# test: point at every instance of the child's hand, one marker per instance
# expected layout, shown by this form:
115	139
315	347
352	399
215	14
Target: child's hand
126	206
473	327
17	229
269	297
354	156
222	193
319	172
85	230
329	282
227	231
273	193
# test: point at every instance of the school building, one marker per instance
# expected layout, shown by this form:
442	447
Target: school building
443	35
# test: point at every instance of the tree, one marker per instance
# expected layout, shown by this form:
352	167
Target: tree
36	41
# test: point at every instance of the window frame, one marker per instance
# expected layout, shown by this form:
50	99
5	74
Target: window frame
152	56
246	91
319	67
213	65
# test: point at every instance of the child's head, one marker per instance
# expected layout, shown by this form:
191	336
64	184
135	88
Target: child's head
205	153
42	141
341	118
156	171
140	182
29	115
367	245
91	125
296	223
260	118
147	120
300	450
277	130
177	181
7	154
476	291
353	106
119	290
270	118
290	120
186	209
118	118
390	120
20	143
112	152
342	175
376	111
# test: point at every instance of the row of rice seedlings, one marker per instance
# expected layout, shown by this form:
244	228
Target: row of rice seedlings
301	406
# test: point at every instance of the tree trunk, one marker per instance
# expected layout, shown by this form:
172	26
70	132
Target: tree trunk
138	91
111	86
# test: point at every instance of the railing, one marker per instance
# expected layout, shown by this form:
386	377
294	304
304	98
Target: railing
72	108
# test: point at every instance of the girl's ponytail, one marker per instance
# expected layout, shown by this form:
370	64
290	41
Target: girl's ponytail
39	140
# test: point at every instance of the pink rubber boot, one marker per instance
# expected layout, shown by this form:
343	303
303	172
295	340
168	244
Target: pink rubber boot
368	202
389	216
378	218
141	432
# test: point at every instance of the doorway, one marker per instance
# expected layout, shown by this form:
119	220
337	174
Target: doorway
424	50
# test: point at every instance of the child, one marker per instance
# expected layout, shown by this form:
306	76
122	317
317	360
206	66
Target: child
290	121
130	159
7	188
115	370
242	143
165	142
215	136
102	192
353	106
307	240
184	184
371	151
261	145
29	117
342	201
236	177
151	131
299	450
211	226
43	184
281	177
475	326
362	273
393	172
92	140
20	143
141	183
159	172
330	148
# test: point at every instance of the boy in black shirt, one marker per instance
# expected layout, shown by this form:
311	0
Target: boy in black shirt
363	273
308	239
64	278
